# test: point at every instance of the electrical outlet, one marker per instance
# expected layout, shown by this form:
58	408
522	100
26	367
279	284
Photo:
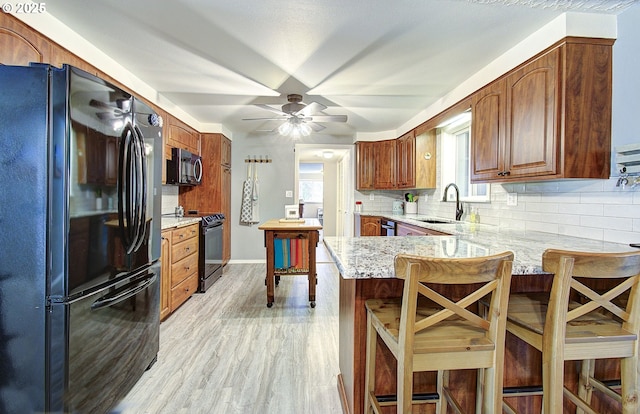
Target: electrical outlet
371	197
512	199
288	193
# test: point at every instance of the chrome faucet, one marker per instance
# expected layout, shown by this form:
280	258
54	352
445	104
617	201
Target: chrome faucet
459	210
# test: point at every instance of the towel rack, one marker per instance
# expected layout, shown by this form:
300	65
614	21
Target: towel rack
255	159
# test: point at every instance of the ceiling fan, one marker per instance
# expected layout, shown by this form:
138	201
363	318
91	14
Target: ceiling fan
300	119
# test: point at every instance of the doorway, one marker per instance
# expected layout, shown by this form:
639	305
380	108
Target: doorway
337	175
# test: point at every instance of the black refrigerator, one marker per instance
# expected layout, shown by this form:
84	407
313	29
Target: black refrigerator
80	196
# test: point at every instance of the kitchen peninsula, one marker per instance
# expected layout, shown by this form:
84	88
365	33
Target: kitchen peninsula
366	271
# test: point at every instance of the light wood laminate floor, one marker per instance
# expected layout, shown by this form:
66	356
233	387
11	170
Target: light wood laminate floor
225	352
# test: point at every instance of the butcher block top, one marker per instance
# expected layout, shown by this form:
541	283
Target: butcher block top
278	224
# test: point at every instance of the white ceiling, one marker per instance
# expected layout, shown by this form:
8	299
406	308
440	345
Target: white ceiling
380	62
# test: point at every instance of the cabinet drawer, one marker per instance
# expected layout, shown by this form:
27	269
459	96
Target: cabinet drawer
184	233
183	291
183	249
184	268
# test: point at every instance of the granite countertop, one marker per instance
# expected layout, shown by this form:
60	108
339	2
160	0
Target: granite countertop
175	222
372	256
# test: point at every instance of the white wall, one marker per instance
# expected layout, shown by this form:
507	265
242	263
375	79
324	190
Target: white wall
247	242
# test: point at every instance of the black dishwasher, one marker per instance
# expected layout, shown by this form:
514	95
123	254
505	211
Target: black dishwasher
387	228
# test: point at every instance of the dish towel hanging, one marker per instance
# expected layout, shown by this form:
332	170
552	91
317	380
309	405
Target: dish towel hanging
255	207
247	202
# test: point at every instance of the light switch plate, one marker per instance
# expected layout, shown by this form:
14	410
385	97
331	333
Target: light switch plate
288	193
512	199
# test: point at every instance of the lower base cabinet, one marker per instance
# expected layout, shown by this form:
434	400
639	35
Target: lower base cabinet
403	229
179	278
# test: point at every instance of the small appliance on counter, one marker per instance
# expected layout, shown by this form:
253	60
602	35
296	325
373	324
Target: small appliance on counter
397	207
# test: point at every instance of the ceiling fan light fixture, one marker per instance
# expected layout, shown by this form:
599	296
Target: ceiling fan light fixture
285	128
305	129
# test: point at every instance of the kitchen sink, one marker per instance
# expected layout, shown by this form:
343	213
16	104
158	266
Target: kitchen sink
436	221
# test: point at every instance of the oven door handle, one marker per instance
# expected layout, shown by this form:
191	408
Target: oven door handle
124	292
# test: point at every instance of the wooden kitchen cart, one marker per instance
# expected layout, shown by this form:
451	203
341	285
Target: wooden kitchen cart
303	238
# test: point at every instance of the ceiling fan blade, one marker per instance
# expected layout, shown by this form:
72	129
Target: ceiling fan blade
326	118
282	118
312	108
316	127
274	110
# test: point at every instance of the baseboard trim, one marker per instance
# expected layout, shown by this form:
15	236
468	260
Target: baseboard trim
240	261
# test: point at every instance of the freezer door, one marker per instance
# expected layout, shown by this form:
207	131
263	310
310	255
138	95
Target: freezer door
113	337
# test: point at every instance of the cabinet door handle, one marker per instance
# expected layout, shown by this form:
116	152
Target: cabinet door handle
186	249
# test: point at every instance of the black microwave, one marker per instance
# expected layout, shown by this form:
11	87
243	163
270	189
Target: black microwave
184	168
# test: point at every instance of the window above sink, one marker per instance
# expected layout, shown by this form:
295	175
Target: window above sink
455	139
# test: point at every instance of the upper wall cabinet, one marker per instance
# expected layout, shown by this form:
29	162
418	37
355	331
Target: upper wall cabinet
19	45
384	176
549	118
406	162
365	168
181	135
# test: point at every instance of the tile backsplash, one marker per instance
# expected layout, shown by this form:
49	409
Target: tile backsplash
169	199
592	209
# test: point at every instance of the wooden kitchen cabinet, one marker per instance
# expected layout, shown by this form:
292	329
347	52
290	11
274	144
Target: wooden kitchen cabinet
368	226
181	135
549	118
404	229
20	45
375	162
165	275
365	165
213	195
424	163
405	161
384	176
179	279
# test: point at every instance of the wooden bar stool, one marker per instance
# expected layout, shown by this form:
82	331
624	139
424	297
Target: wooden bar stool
575	322
427	331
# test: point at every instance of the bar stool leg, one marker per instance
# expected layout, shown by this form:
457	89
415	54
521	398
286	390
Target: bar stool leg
585	389
404	389
480	389
370	367
441	405
630	392
552	385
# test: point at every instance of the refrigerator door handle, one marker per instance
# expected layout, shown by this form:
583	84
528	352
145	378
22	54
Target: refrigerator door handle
141	188
124	292
126	199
